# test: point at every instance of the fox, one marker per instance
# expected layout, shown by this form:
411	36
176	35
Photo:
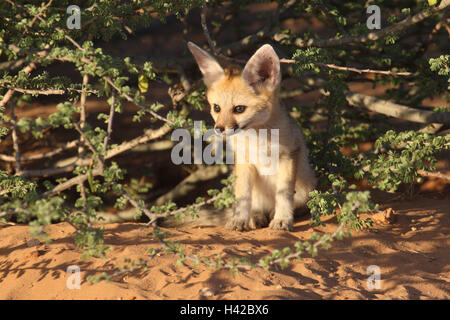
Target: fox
250	99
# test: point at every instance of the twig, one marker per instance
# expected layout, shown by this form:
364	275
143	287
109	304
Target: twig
447	28
110	121
208	38
205	28
15	141
152	216
333	66
48	92
39	14
83	115
84	138
130	99
72	182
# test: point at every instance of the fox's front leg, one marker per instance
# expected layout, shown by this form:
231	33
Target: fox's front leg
284	197
242	190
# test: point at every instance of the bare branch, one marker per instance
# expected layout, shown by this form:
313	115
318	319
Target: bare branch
72	182
152	216
110	121
11	65
431	128
41	92
48	92
15	141
81	150
447	28
333	66
434	174
396	110
149	134
84	138
49	171
83	115
69	145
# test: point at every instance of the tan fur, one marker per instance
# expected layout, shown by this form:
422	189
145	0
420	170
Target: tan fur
262	198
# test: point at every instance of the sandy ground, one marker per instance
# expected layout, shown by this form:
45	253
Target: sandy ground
410	247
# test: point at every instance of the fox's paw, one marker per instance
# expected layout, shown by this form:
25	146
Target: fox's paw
238	224
281	224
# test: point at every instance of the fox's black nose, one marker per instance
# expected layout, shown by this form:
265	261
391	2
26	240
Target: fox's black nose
219	129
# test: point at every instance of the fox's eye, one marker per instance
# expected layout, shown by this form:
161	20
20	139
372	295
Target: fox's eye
239	109
216	108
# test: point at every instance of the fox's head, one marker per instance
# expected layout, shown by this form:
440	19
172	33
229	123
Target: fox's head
245	100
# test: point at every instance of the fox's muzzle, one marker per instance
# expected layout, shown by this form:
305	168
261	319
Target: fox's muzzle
221	130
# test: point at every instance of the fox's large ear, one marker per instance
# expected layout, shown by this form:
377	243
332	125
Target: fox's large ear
210	68
263	69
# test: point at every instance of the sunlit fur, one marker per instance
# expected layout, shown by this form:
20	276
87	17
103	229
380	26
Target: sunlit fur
232	91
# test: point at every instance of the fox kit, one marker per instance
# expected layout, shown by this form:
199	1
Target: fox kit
250	100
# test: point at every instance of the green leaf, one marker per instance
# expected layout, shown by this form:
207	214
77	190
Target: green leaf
143	83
